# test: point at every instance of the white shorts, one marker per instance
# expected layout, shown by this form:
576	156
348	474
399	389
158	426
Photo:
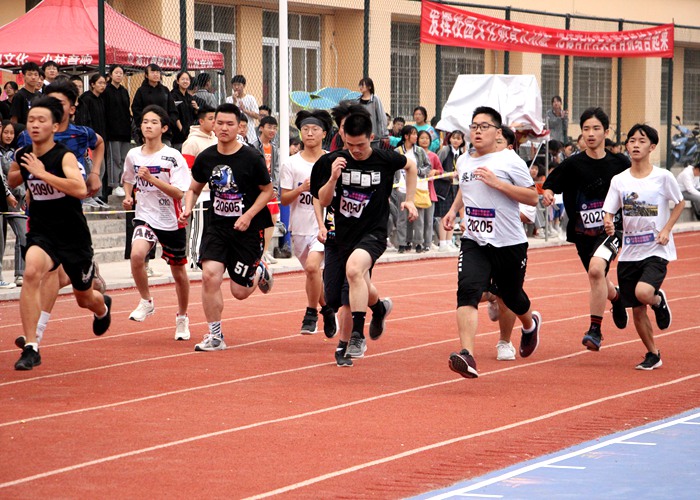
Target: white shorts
303	245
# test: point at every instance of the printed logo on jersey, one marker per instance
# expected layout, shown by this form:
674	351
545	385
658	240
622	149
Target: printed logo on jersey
634	206
222	178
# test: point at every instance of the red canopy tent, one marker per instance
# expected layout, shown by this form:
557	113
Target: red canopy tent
65	31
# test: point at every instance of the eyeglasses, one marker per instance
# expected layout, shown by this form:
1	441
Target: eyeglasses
481	126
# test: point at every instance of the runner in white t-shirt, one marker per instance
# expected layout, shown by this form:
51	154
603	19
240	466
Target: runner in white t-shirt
643	193
295	177
161	176
494	245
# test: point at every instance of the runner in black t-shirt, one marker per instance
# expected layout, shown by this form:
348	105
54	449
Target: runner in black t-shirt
584	179
58	232
233	241
357	183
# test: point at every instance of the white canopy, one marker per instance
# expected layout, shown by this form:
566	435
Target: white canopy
516	97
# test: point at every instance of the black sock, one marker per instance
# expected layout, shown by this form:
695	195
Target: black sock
341	346
358	324
378	309
596	321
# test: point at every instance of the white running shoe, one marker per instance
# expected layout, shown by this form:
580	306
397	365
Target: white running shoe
119	191
7	284
182	328
143	311
505	351
211	343
493	310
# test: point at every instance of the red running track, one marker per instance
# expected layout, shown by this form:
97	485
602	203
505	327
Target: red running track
135	412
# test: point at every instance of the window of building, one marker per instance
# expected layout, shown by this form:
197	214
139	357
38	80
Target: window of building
214	29
459	61
592	84
405	69
549	80
665	64
691	86
304	55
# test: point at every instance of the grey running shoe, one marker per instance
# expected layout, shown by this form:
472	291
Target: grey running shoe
211	343
463	363
266	280
98	282
356	347
650	362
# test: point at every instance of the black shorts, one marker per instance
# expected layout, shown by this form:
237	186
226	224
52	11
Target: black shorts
480	268
651	270
174	243
77	261
239	251
587	246
373	243
335	284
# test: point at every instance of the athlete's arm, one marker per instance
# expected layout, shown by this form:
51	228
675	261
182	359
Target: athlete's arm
14	175
411	181
94	177
526	195
448	221
128	201
190	200
289	195
663	236
325	194
322	229
169	189
266	194
609	223
72	185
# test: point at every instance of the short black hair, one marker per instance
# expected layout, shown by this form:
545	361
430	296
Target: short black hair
115	66
238	79
204	110
65	87
53	105
358	124
48	64
268	120
609	143
227	107
153	67
485	110
12	84
265	107
202	79
243	118
320	114
399	119
162	114
508	135
646	130
556	98
346	108
422	110
30	66
598	114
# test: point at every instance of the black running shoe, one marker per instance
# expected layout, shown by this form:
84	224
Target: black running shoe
28	360
592	340
308	324
101	325
378	322
650	362
340	358
619	313
463	363
662	312
330	323
21	341
530	341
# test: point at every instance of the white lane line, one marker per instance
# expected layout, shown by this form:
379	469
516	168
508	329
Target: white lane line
574	454
637	443
573	467
343	406
690	423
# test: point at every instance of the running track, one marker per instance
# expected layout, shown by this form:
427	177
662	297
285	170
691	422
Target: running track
135	412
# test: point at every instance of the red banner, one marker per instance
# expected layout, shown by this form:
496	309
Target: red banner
444	25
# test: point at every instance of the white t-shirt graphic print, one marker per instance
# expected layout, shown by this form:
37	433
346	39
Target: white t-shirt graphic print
491	217
645	212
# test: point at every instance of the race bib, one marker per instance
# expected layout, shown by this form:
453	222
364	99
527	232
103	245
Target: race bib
592	215
480	221
305	198
228	208
42	191
353	203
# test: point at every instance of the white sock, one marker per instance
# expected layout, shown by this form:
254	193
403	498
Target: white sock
33	345
41	325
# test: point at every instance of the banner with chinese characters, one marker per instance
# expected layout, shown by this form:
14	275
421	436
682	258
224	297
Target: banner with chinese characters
444	25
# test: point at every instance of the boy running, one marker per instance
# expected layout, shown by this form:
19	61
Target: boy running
494	247
643	193
584	179
233	241
58	232
160	175
357	183
294	184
